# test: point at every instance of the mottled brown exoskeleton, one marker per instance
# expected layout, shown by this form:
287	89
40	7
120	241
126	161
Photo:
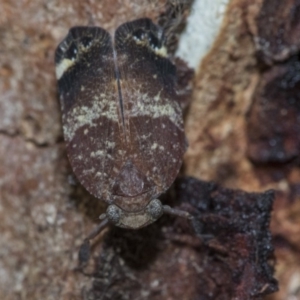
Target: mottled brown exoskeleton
122	121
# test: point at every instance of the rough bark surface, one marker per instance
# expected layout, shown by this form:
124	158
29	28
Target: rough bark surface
243	122
243	128
167	261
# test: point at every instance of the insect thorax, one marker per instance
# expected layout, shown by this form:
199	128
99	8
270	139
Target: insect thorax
133	199
135	220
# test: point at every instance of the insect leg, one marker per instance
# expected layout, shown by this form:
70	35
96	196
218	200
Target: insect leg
84	251
196	224
177	212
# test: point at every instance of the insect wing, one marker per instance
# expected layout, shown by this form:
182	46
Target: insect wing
90	105
152	115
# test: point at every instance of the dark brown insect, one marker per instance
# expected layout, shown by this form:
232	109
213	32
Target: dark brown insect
122	120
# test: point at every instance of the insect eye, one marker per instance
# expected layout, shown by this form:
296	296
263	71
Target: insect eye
86	41
155	209
113	214
71	53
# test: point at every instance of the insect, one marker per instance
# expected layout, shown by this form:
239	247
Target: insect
122	121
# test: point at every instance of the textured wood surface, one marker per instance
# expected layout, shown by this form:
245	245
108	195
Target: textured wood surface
242	127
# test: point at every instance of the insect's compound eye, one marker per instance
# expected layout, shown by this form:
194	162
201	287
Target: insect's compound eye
155	209
86	41
71	53
113	214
